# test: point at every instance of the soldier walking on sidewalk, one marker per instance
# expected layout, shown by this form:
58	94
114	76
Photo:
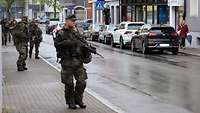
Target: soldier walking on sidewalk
35	38
20	35
69	51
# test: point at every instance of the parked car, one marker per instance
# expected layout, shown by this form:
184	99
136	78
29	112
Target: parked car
106	33
58	27
79	25
151	37
124	33
94	31
86	24
51	26
44	20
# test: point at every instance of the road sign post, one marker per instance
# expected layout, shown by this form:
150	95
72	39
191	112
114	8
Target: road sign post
100	4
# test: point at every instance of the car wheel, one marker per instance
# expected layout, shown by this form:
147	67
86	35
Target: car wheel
92	37
133	46
144	49
121	43
99	40
105	40
175	51
112	44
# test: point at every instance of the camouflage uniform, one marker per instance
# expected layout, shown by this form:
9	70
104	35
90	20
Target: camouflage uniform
68	50
21	43
5	31
35	37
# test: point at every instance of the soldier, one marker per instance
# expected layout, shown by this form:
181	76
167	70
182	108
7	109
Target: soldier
5	30
68	49
20	36
35	37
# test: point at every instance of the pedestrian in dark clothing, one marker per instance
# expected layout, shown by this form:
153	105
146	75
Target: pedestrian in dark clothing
183	30
35	38
69	51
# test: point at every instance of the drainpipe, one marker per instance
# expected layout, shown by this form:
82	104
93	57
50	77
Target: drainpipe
1	74
184	13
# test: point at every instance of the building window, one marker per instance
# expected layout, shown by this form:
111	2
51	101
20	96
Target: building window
194	8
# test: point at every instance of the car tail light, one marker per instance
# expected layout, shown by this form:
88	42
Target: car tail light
128	32
173	34
152	34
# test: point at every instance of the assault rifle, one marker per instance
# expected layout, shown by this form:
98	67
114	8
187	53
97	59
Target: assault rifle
85	44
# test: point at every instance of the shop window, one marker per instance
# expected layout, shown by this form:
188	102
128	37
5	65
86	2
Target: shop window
161	1
129	13
194	8
122	26
150	1
149	14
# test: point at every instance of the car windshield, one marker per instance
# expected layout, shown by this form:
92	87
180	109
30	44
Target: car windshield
97	27
61	24
89	21
162	29
111	28
134	26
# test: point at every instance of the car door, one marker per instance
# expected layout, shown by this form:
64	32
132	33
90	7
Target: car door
143	35
119	32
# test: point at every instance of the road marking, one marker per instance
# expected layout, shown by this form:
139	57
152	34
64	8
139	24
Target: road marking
91	92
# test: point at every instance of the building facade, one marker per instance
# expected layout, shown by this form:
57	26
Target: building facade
77	7
193	19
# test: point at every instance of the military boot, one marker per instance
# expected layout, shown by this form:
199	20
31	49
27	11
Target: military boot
36	57
81	104
30	55
72	105
20	68
24	66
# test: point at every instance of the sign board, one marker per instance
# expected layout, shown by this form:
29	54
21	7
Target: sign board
100	5
175	2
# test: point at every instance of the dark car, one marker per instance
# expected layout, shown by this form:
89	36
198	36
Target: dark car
151	37
86	24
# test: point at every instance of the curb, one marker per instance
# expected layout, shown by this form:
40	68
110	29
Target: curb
198	55
91	92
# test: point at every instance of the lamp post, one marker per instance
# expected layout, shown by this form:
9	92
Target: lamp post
184	13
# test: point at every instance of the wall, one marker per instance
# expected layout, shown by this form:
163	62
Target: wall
193	24
1	100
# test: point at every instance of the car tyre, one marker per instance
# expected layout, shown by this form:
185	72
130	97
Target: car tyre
175	51
133	46
112	44
144	49
121	43
105	40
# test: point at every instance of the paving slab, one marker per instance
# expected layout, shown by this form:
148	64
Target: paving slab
38	90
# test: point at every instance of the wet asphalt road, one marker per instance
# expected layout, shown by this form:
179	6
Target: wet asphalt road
137	83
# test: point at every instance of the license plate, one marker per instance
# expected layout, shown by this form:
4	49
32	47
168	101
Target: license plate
164	45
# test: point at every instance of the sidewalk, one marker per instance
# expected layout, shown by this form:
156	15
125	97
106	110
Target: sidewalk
190	51
38	90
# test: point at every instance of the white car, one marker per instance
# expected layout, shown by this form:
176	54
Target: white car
106	33
123	34
58	27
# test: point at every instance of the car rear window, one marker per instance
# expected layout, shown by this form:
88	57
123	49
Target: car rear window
134	26
162	29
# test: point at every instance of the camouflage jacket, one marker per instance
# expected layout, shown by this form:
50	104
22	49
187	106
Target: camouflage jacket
21	33
35	33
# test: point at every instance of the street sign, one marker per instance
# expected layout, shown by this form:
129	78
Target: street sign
100	5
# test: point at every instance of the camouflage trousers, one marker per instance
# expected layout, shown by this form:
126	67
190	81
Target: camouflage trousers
22	49
37	45
5	37
73	93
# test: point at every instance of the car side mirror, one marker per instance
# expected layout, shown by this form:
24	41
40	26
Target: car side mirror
136	32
